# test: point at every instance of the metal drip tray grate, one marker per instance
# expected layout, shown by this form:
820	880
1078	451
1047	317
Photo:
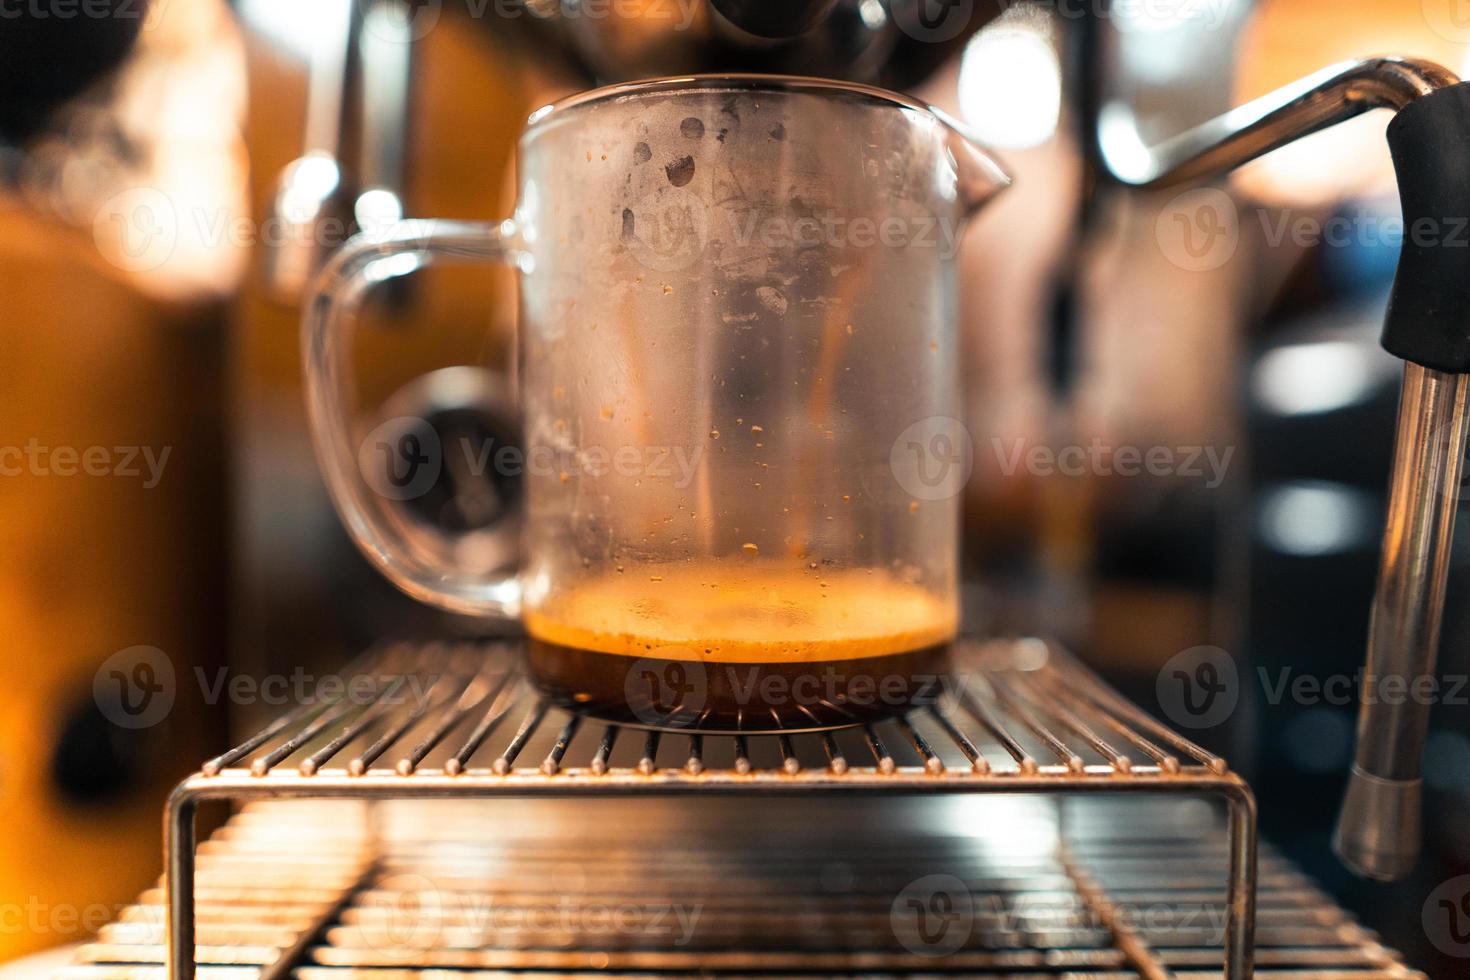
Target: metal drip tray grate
1021	888
454	724
1019	709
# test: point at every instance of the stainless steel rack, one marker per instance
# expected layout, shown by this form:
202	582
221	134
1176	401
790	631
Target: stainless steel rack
459	721
413	890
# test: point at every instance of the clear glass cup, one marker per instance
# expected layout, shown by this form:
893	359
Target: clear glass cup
738	388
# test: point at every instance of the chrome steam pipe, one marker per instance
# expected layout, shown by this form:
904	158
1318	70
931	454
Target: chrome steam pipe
1378	834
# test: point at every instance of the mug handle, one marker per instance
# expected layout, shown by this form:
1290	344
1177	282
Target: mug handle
440	576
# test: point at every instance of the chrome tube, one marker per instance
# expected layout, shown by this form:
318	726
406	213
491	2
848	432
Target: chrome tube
1378	833
386	52
308	186
1333	95
1379	830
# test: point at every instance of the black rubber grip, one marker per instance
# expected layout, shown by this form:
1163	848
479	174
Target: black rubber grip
1428	318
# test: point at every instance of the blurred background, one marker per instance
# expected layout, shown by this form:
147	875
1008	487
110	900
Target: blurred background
172	174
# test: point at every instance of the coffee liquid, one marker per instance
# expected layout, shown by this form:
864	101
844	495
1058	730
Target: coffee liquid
740	646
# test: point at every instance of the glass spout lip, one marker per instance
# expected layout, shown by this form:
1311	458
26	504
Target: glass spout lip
755	82
986	175
738	81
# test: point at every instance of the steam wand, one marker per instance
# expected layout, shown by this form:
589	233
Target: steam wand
1428	326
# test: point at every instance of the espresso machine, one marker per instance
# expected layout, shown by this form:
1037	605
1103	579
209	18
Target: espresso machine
1378	832
347	874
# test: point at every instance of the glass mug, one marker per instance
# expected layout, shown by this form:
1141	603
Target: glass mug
738	388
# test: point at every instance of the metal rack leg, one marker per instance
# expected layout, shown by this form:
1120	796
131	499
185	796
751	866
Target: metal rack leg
178	845
180	857
1240	927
